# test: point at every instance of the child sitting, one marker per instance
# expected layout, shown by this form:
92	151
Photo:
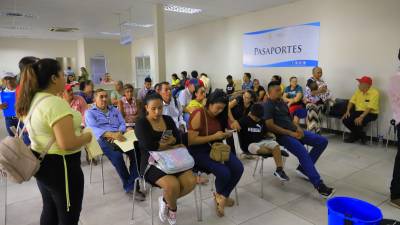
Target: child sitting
253	139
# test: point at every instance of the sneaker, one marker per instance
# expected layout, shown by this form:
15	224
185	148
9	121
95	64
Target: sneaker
395	203
171	217
162	210
139	196
301	174
281	175
325	191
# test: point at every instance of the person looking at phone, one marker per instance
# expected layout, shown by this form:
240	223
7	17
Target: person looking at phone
207	126
158	132
108	125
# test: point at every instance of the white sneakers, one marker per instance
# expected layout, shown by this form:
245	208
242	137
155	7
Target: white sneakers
164	213
162	210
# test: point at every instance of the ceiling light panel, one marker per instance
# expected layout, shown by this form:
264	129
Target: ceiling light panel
181	9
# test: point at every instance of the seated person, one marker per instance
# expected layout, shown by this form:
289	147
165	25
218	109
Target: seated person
230	87
363	108
208	126
259	90
117	94
172	107
76	102
198	99
247	83
278	79
146	88
185	96
253	139
108	125
314	107
293	95
293	138
87	91
149	130
127	106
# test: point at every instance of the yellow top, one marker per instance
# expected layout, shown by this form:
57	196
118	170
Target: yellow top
370	99
46	114
175	82
195	104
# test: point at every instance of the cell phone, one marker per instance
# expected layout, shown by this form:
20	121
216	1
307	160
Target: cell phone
166	134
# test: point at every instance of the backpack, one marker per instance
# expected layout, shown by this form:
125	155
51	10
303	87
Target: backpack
17	160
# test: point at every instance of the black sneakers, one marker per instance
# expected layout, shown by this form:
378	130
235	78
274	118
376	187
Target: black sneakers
325	191
281	175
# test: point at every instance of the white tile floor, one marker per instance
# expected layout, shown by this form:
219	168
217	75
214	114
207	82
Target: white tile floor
354	170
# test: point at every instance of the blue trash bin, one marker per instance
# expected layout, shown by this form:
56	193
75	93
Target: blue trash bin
351	211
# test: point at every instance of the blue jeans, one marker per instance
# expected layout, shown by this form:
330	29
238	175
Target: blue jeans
115	156
13	122
227	175
307	160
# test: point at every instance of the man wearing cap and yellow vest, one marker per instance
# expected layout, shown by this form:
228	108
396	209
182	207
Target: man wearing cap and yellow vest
363	108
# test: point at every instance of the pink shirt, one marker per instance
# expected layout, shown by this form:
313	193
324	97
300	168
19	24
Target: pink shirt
79	104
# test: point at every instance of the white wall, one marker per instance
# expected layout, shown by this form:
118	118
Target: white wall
13	49
357	37
118	57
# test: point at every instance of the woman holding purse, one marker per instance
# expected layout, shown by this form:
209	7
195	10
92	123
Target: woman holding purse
206	129
151	133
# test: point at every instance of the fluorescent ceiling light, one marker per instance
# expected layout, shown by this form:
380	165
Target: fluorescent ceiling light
15	27
181	9
128	24
110	33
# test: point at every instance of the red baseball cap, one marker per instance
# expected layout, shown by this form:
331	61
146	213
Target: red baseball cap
365	79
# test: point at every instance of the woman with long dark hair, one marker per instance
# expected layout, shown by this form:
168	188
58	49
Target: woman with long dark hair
150	129
60	178
207	126
87	91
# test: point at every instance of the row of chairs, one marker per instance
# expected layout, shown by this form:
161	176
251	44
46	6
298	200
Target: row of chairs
198	198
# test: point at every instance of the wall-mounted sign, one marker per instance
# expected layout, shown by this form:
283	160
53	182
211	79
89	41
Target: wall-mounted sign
292	46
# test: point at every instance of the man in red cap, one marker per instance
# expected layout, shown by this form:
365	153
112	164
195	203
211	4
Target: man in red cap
363	108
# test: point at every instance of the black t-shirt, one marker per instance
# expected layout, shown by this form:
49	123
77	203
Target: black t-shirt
239	110
149	139
251	132
230	88
279	112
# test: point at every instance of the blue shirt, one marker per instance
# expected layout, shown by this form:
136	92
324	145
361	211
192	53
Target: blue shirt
247	86
101	122
292	93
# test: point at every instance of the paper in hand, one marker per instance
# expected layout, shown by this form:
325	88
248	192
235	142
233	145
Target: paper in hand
127	145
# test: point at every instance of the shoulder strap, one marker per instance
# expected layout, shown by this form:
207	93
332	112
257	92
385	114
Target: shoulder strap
28	119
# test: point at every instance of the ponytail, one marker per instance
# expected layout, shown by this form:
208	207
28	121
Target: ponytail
34	78
27	89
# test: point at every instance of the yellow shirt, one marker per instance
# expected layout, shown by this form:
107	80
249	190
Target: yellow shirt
370	99
175	82
195	104
46	114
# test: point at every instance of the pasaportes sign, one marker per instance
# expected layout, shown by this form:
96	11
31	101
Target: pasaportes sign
291	46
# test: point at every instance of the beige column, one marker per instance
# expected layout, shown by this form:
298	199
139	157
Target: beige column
159	43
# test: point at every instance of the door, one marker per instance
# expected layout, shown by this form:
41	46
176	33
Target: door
142	70
98	68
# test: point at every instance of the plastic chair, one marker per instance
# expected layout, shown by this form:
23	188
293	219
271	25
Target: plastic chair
139	179
102	171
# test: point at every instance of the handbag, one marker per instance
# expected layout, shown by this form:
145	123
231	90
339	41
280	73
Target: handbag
219	151
16	158
171	161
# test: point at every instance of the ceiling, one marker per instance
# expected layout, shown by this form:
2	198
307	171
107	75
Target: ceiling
95	16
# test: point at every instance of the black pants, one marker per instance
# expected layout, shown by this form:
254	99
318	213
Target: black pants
51	182
357	131
395	186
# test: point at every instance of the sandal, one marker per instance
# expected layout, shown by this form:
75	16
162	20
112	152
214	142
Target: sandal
219	204
229	202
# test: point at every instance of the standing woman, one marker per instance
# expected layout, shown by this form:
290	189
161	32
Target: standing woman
127	106
207	126
60	178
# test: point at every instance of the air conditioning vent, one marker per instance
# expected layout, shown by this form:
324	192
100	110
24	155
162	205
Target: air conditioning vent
17	14
63	29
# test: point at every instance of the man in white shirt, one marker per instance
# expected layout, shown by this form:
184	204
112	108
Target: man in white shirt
185	96
172	107
147	87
